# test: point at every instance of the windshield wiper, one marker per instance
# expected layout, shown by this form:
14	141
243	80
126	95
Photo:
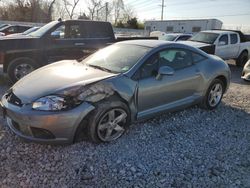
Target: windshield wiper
101	68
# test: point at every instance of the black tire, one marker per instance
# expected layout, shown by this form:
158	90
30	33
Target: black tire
242	59
13	65
205	102
101	109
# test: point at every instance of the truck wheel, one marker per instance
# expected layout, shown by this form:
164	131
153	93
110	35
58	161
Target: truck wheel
242	59
20	67
108	121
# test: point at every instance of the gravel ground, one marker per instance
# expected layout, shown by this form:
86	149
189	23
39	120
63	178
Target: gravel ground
190	148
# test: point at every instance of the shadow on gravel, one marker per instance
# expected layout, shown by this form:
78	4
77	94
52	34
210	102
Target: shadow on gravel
236	75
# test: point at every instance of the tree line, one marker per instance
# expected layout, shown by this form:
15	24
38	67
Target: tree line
43	11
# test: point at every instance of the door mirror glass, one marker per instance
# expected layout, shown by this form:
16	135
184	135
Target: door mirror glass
165	70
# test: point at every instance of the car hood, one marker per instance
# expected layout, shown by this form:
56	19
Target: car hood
195	44
56	77
17	36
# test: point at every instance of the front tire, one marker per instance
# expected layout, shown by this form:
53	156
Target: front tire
242	59
20	67
108	121
213	95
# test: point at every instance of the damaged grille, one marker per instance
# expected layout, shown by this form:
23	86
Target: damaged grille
13	99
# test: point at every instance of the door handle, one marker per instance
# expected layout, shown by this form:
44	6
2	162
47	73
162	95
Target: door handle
79	44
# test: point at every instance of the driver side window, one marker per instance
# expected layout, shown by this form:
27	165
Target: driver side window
175	58
150	67
59	33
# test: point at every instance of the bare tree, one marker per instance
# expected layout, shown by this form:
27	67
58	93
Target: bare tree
128	13
118	6
93	7
50	5
70	7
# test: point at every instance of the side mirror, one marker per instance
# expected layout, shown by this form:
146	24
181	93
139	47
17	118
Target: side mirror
164	70
222	43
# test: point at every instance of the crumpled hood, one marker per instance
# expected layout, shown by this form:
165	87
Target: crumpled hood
55	77
195	44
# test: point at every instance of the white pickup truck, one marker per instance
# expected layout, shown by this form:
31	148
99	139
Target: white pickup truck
226	44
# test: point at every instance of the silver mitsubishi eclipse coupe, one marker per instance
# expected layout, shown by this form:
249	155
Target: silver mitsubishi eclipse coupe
106	92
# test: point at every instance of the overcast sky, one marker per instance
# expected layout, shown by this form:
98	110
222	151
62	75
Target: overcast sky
235	12
228	11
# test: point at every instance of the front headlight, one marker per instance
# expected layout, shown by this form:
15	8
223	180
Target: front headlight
50	103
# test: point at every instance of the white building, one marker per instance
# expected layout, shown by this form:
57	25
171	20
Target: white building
182	26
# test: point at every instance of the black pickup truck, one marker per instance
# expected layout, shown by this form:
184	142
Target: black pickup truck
71	39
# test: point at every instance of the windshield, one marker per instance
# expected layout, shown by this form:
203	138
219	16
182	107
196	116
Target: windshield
205	37
117	58
40	32
170	37
5	27
33	29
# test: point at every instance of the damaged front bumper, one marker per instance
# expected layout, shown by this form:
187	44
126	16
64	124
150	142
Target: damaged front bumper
44	126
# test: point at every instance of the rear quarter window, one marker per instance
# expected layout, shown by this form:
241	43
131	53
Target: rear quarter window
233	38
98	30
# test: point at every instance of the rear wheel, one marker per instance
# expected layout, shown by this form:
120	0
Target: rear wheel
242	59
20	67
109	121
214	95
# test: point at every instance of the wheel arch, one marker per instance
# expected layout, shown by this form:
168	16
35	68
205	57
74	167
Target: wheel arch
37	57
224	80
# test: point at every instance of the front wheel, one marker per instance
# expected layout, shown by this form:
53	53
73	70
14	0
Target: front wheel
213	95
242	59
109	121
20	67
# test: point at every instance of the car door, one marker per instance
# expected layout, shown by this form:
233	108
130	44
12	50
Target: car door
155	95
65	42
222	47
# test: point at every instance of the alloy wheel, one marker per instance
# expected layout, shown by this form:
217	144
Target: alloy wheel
22	70
215	95
112	124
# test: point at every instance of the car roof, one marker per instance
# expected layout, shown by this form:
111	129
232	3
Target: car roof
147	43
179	34
217	31
162	43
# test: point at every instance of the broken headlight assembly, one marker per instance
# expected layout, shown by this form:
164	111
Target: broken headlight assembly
54	103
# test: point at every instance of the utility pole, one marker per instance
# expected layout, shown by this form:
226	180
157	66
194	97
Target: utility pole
162	9
106	11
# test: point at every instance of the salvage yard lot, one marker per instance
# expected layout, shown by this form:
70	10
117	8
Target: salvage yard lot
189	148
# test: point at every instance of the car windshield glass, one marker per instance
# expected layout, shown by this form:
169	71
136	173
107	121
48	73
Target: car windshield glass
205	37
5	27
117	58
170	37
33	29
40	32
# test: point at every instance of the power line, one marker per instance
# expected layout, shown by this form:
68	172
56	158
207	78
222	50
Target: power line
225	15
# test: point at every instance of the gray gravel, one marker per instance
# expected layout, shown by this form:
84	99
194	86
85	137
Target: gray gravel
190	148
